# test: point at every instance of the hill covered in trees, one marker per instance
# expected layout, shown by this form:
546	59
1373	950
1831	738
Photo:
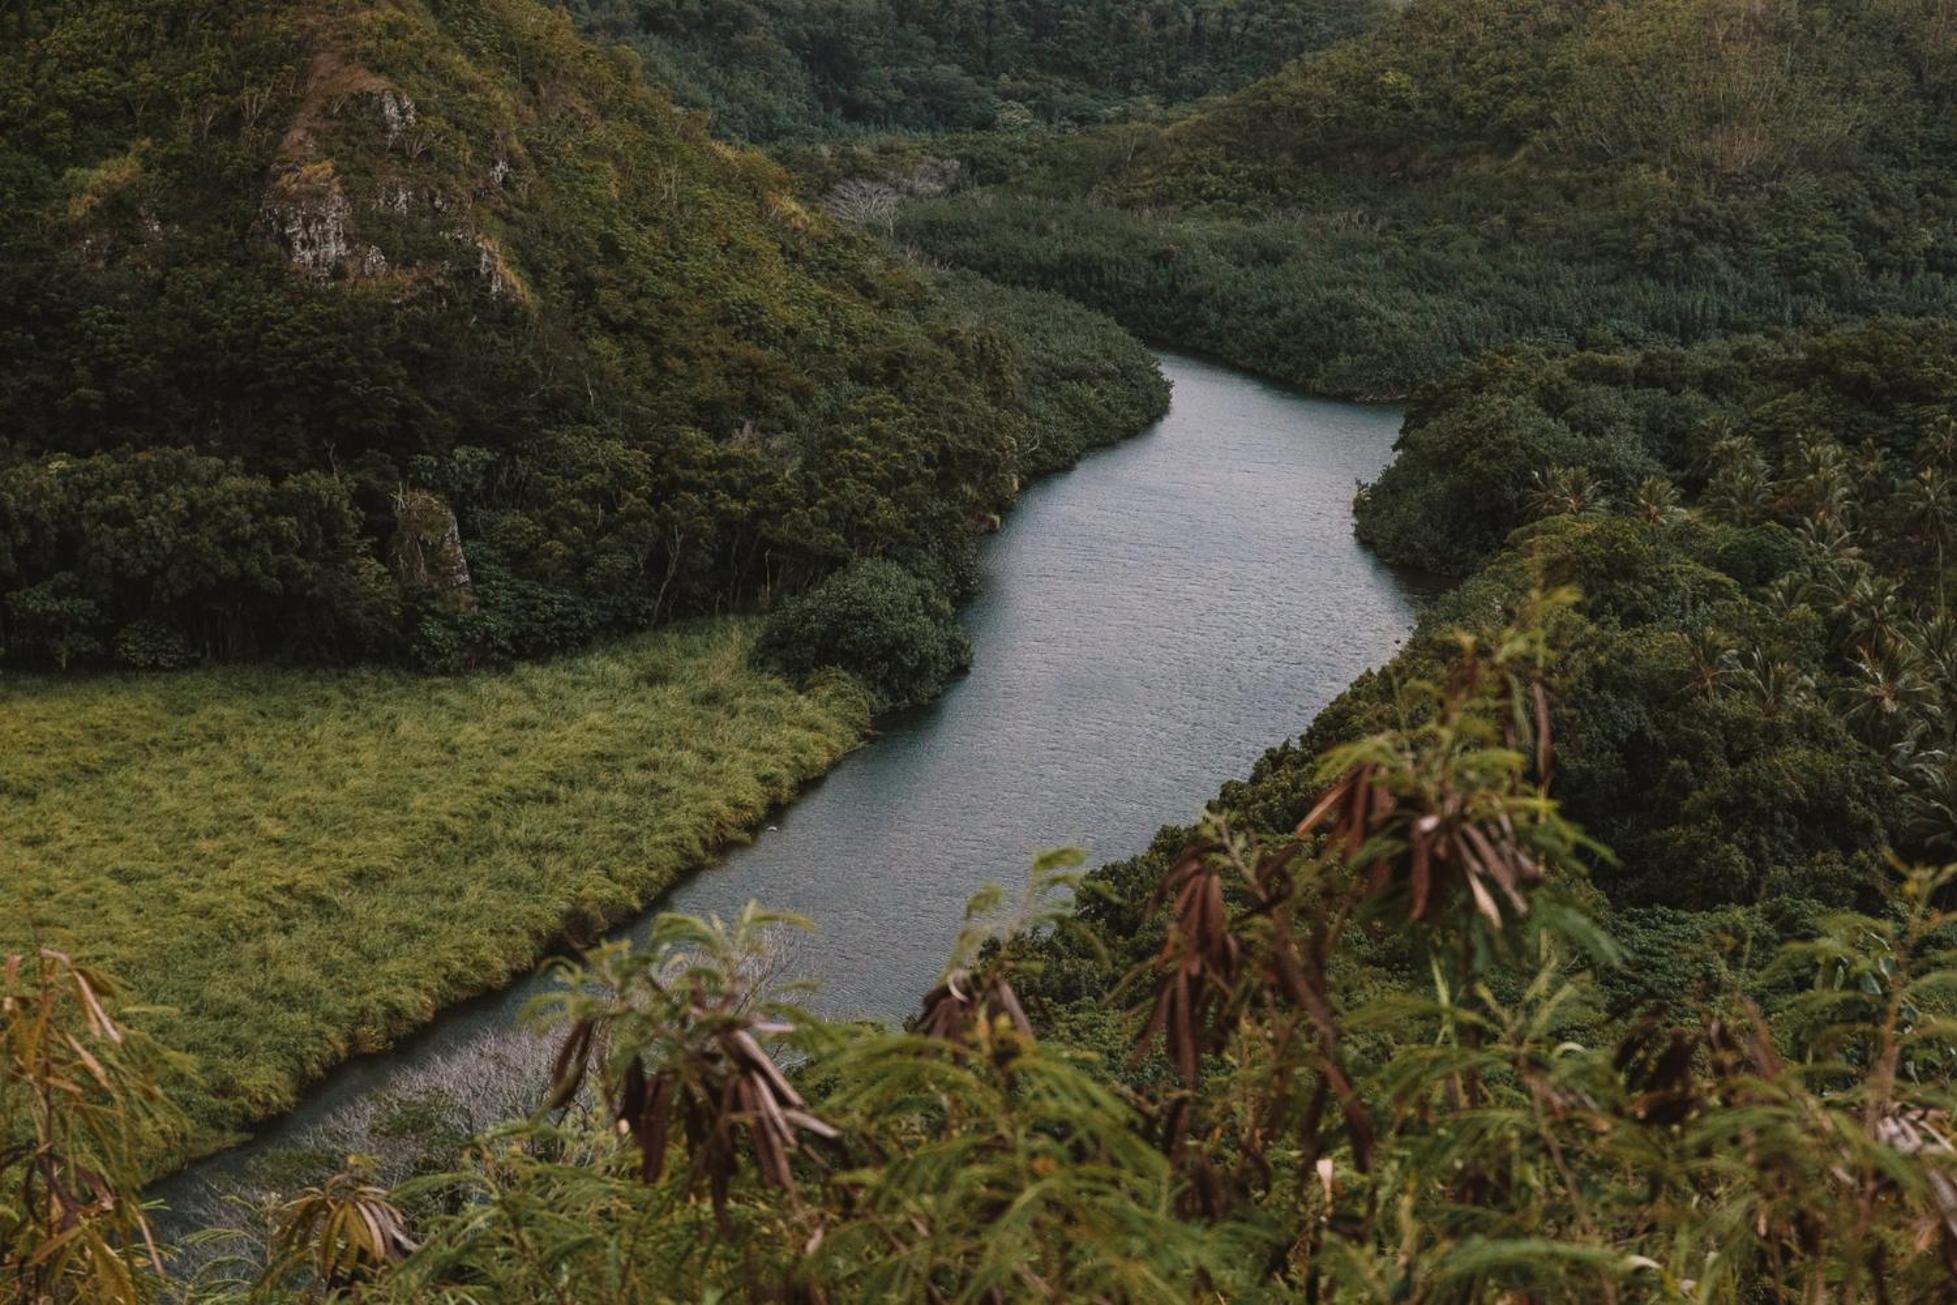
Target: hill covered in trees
427	331
1464	175
1576	954
779	70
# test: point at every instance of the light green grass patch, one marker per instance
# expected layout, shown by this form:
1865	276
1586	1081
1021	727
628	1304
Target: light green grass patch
307	864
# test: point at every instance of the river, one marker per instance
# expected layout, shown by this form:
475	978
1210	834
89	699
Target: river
1151	622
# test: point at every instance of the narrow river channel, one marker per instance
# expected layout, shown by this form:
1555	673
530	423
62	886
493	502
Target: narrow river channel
1151	622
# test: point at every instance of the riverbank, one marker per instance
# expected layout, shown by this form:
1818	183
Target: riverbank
302	865
1149	624
306	865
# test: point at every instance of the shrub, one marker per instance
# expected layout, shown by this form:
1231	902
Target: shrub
151	646
893	630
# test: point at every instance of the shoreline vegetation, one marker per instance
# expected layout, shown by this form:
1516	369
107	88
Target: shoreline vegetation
1465	177
660	751
300	865
248	769
551	368
1670	284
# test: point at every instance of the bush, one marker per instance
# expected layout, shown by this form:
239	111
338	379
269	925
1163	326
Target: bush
891	629
152	646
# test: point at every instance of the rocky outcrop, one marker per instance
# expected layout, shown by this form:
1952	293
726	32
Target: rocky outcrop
310	214
427	549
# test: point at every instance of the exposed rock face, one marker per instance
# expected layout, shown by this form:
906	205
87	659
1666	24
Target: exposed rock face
428	548
398	111
310	214
496	270
306	206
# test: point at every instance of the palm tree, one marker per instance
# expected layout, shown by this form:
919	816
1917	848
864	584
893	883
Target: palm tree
1937	447
1872	473
1930	508
1930	804
1656	500
1935	644
1775	684
1790	593
1823	487
1738	495
1833	541
1818	454
1565	491
1712	660
1739	489
1888	697
1869	611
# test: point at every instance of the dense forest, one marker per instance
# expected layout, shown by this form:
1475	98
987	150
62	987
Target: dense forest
429	333
1590	949
781	70
1466	175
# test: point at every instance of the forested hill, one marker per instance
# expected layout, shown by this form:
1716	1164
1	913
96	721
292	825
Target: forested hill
1811	132
1469	173
425	329
778	70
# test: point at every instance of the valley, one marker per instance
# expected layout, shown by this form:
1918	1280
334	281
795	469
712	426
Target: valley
562	567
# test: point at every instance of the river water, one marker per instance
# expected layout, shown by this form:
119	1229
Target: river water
1151	622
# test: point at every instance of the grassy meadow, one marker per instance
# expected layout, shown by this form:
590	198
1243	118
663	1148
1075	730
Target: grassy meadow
304	865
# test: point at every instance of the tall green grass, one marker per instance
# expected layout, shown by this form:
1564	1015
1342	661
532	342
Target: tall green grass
305	865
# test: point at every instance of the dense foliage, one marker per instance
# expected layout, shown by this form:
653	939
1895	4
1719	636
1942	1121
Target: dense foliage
1753	697
1470	174
1391	1022
894	631
774	70
425	330
1764	523
1083	381
1375	1056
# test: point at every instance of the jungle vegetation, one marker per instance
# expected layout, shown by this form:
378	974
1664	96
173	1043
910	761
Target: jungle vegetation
1374	1054
1579	953
1461	176
789	70
428	332
1575	953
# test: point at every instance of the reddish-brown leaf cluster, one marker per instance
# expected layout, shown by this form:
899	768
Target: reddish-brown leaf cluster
1435	839
1200	965
342	1230
1215	964
720	1084
1449	849
59	1191
952	1010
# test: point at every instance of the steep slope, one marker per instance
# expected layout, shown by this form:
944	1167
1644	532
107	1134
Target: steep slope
422	328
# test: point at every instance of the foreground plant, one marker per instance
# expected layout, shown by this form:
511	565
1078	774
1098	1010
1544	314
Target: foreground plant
333	1237
1374	1062
78	1101
1496	1136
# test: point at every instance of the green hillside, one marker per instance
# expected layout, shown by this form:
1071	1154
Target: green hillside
1599	946
427	331
776	70
1465	175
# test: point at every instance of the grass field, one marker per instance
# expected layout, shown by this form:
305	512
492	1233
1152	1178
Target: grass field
305	865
